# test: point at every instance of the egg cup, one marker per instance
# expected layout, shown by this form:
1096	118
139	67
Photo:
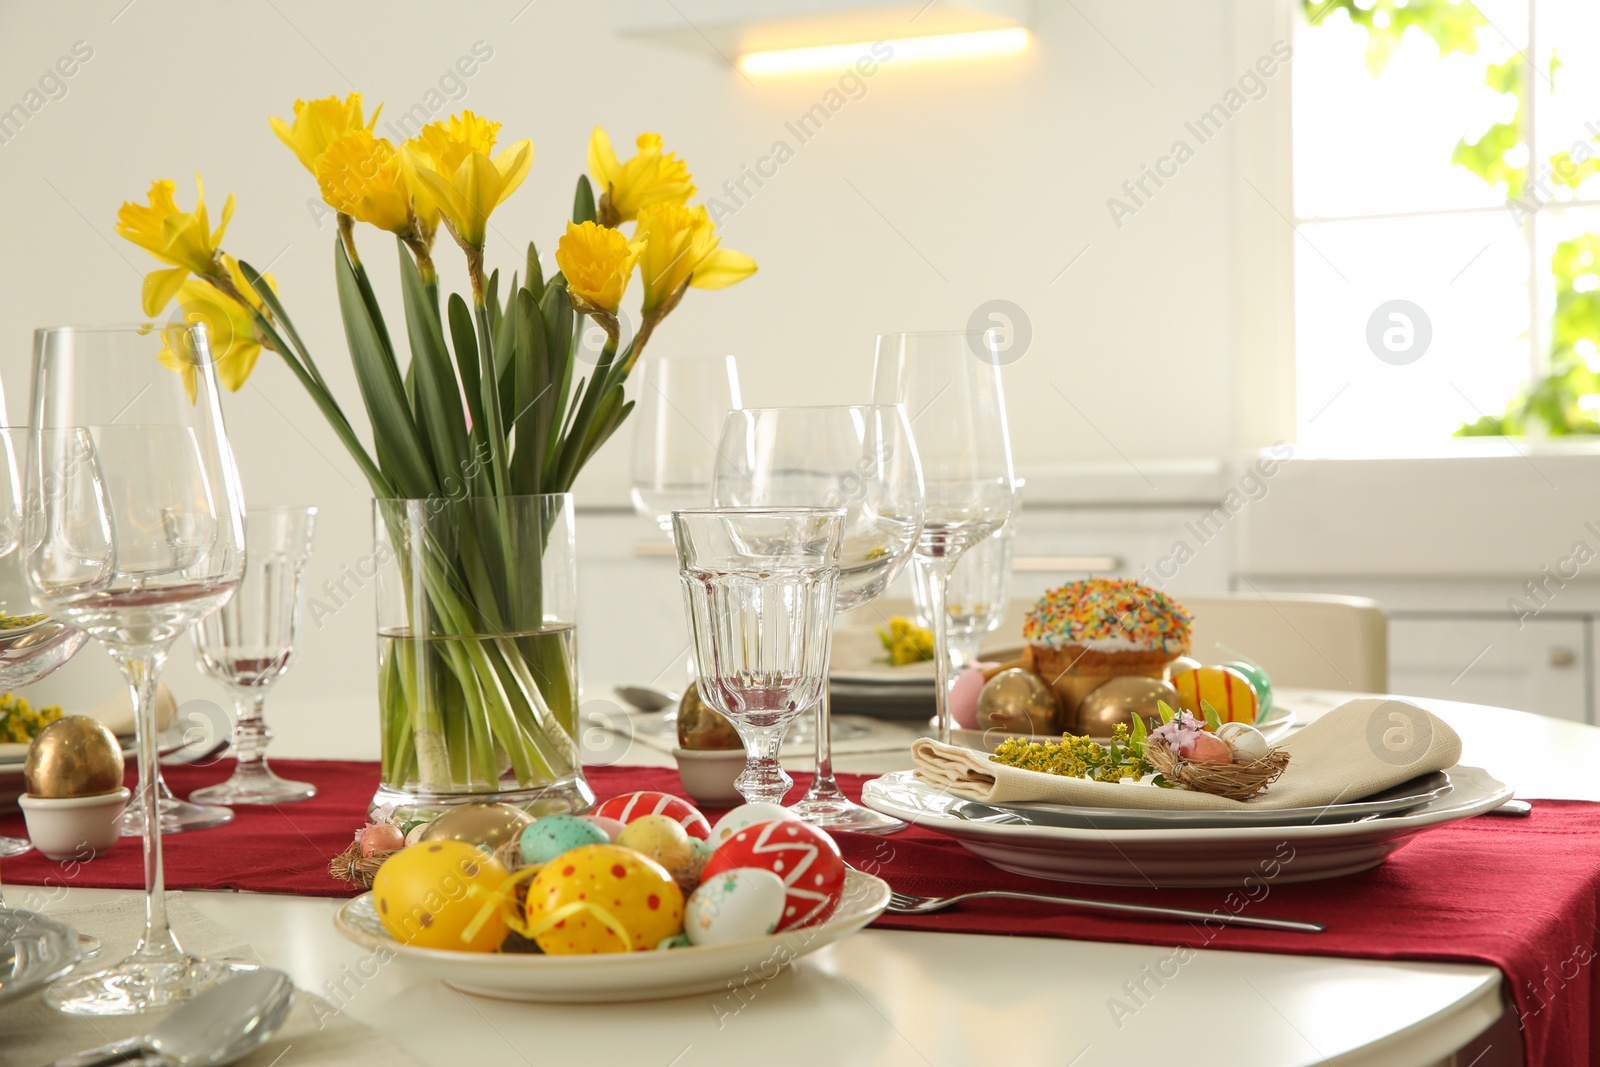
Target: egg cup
74	828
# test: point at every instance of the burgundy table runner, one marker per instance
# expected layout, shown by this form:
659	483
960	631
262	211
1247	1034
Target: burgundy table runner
1518	894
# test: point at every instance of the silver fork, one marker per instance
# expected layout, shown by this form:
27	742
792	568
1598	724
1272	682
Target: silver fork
906	904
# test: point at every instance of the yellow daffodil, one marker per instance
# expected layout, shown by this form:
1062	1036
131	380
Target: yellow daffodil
318	123
183	239
468	195
235	340
597	263
360	175
442	147
650	177
681	248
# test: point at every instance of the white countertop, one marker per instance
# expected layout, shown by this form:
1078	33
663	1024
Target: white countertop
892	997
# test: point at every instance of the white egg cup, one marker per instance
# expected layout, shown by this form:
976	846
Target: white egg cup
708	774
74	828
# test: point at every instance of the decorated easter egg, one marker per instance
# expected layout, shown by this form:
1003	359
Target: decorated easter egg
486	825
1181	664
602	898
964	696
661	838
736	905
1258	681
1248	743
554	834
441	894
630	806
804	857
746	815
380	837
612	827
1224	688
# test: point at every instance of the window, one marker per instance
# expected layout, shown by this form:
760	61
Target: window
1447	213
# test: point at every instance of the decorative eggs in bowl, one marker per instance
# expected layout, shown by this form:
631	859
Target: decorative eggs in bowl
576	910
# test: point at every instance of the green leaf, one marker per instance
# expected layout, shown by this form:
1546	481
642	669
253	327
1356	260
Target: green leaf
531	381
555	308
438	397
1138	734
466	342
491	300
1167	714
394	434
583	201
1213	720
535	272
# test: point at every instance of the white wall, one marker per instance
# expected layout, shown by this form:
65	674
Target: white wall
940	188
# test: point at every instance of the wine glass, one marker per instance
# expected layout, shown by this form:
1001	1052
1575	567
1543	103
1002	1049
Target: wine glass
949	384
247	646
135	531
758	586
978	592
32	644
857	457
678	414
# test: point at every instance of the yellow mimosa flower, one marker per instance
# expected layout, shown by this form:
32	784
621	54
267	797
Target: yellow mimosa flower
318	123
597	263
468	195
650	177
681	248
442	147
234	337
360	175
183	239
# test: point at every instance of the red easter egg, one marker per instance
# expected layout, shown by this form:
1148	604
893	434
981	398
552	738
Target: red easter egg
804	857
630	806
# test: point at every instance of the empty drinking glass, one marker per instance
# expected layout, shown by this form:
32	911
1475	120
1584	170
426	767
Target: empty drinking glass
681	403
759	586
247	646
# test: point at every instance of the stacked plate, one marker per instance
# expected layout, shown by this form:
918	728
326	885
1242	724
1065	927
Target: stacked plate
861	683
1152	848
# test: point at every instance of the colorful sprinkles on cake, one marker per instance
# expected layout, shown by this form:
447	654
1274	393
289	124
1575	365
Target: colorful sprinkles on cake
1098	609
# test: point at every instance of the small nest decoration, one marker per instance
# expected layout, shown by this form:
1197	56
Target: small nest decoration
1236	781
351	866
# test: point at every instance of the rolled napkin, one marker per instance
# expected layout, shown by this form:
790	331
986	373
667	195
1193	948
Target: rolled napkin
1360	748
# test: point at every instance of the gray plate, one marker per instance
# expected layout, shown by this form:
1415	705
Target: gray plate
34	951
1404	797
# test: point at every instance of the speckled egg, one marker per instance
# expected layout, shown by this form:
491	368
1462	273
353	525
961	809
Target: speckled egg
441	894
736	905
602	898
805	857
554	834
380	837
630	806
662	839
612	827
746	815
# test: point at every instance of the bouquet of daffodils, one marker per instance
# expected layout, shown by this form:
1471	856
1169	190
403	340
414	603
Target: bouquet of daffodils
479	405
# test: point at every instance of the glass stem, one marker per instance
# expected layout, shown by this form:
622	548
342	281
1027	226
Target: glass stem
823	787
763	777
142	667
938	585
250	733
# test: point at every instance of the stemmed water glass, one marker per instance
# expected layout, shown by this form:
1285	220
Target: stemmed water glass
247	646
678	414
949	384
31	644
978	592
758	587
135	531
860	458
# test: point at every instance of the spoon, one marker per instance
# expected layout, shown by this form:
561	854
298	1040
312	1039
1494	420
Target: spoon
219	1026
647	697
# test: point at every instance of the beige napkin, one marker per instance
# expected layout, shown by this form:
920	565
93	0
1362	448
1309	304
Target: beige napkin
314	1034
1360	748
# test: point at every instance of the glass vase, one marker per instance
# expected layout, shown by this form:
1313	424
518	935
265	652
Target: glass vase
477	654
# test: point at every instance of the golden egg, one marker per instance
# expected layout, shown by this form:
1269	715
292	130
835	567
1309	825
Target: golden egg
486	825
75	756
701	728
1119	699
1017	700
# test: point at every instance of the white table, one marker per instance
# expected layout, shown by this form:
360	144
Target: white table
889	997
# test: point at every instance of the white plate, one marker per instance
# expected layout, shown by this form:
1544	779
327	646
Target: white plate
618	976
34	951
1161	858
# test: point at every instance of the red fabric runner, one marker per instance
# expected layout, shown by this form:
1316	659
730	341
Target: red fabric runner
1519	894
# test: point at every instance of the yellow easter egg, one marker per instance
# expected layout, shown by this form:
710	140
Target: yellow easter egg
660	837
602	898
441	894
1224	688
